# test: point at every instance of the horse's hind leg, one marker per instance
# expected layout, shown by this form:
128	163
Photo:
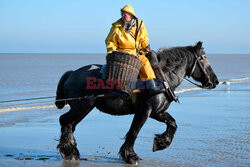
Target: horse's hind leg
68	122
162	141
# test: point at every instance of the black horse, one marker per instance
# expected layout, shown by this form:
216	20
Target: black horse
176	63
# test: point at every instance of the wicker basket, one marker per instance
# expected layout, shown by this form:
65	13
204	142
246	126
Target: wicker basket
124	68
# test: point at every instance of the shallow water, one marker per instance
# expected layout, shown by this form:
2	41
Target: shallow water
213	125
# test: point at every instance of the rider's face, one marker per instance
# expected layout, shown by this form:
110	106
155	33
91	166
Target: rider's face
126	17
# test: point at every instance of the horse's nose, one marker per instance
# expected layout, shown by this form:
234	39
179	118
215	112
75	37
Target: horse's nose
209	85
216	82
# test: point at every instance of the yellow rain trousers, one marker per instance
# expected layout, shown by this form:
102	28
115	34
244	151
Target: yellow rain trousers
120	40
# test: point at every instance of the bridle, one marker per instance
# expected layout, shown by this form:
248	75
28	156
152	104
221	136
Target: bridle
198	60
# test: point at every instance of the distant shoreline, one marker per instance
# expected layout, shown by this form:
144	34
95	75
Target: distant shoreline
105	53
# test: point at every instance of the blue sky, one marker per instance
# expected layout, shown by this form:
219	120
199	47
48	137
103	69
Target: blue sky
81	26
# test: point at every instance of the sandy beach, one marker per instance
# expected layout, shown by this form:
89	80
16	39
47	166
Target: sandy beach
213	130
208	135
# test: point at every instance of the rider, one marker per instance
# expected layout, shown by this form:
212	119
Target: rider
123	37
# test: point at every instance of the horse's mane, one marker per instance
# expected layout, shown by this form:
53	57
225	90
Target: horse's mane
170	58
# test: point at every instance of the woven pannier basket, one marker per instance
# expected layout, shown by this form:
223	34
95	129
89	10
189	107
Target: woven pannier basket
123	67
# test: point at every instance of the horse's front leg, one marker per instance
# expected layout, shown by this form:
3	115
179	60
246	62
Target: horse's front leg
162	141
127	152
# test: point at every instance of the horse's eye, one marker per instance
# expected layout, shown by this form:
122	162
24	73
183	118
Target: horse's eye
203	56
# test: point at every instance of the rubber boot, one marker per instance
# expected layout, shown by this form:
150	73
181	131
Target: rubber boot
153	89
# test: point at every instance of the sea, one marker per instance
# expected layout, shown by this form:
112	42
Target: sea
213	125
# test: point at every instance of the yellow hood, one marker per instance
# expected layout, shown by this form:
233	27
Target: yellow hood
129	9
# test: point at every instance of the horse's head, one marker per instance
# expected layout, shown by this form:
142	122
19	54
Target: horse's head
201	70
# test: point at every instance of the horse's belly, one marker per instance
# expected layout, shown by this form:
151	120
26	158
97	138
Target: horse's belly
114	105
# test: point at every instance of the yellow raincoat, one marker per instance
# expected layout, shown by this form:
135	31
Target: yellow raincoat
120	40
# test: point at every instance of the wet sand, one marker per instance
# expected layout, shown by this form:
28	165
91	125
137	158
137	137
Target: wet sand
213	130
213	126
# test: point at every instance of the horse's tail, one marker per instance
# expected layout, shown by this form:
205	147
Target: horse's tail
60	91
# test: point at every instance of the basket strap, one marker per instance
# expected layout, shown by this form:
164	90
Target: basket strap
135	37
138	30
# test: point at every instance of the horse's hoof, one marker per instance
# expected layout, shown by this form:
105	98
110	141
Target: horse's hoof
69	153
129	157
161	142
70	157
133	159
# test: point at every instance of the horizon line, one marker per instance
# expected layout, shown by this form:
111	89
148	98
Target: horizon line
90	53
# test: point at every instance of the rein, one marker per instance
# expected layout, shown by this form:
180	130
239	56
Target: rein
188	81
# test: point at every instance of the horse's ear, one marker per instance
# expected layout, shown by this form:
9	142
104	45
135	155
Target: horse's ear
198	46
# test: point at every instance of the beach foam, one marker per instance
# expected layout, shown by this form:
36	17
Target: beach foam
26	108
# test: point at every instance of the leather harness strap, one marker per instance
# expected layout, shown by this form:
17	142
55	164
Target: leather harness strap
137	32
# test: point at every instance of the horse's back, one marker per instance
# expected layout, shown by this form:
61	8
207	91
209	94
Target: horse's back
76	84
